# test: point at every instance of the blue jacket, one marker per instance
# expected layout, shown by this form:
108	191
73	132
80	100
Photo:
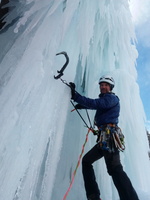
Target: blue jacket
107	107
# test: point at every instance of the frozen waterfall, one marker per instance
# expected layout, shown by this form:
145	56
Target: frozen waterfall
40	139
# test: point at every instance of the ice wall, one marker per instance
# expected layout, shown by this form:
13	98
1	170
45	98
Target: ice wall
40	139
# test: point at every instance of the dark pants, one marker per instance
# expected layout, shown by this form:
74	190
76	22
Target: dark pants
114	168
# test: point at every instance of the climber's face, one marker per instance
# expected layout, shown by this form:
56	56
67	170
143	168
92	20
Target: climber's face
104	87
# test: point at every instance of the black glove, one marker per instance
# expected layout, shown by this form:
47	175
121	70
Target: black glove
79	106
72	87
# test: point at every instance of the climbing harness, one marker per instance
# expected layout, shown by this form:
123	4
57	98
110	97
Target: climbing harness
110	138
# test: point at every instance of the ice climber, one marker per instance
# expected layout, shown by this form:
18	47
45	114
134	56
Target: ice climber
108	143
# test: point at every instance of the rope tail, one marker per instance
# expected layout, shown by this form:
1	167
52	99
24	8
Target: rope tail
78	164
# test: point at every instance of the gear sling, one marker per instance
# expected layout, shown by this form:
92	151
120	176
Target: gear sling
110	137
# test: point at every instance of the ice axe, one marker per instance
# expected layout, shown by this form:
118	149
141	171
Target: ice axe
64	66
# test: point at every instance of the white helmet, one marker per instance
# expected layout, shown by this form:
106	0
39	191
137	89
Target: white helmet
107	79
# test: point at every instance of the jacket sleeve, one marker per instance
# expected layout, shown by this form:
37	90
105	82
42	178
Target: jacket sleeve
106	102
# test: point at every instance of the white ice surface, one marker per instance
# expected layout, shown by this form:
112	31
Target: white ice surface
40	139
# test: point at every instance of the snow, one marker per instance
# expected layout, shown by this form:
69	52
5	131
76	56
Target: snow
40	139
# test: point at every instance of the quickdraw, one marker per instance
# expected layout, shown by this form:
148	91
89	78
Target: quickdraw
119	139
